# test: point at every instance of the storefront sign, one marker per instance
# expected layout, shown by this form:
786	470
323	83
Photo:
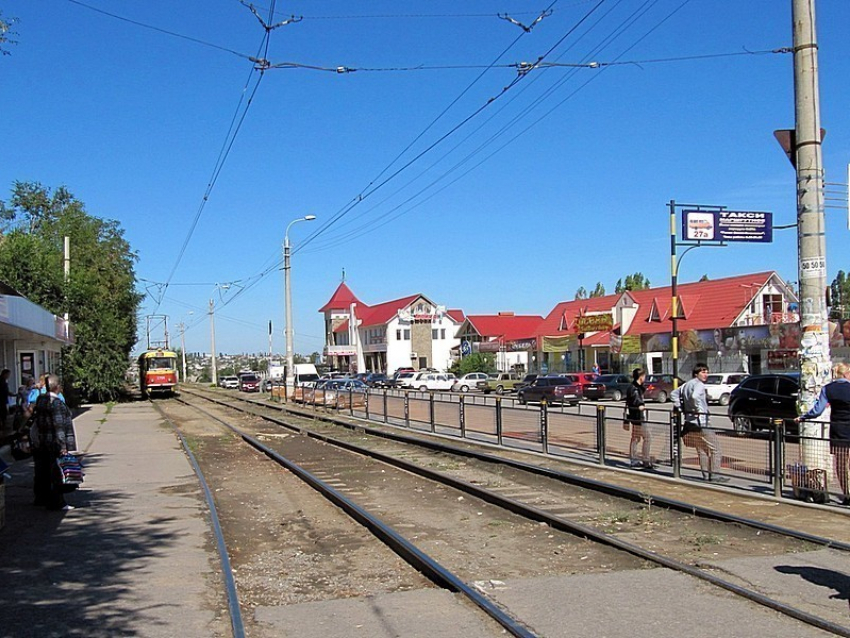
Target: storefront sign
557	344
594	323
525	344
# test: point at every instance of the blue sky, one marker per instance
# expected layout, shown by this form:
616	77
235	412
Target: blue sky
559	183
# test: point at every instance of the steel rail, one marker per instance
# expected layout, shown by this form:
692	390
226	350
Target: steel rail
569	478
565	525
236	623
414	556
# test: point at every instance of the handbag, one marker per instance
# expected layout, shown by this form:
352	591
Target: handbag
21	447
71	469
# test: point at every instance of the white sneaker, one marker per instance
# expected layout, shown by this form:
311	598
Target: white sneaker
68	508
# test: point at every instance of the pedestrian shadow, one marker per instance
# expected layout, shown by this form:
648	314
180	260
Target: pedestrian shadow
827	578
73	574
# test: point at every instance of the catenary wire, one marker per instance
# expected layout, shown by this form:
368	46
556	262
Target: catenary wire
159	30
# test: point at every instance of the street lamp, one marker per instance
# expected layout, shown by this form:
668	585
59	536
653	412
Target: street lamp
290	373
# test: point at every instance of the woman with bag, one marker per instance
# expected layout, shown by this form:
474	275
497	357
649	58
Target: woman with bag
635	407
51	436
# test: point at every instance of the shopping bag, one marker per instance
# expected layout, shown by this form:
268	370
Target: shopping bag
71	469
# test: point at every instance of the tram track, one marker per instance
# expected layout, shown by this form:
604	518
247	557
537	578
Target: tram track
505	489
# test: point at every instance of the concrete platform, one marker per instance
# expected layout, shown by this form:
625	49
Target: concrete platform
135	558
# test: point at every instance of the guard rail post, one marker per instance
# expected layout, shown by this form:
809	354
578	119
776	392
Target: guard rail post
676	442
431	416
406	409
499	421
386	417
778	456
600	433
461	407
544	425
366	403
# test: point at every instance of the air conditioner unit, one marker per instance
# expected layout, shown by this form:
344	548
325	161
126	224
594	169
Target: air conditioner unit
413	355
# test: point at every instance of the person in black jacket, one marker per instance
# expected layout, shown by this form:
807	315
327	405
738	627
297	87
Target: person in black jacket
635	407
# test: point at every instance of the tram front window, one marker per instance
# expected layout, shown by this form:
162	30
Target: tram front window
161	363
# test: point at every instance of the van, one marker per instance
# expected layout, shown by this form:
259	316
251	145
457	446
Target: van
302	373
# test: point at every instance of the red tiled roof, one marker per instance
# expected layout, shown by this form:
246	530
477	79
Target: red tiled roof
343	327
703	304
383	312
506	327
456	314
341	299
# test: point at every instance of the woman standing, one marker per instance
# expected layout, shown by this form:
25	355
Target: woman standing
837	396
635	407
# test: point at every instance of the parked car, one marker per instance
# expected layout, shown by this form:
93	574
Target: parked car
719	387
434	381
375	380
249	383
229	382
762	397
469	381
499	383
584	378
403	379
268	384
555	389
607	386
657	387
526	380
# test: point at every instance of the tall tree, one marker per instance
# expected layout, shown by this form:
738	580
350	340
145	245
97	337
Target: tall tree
839	292
100	296
637	281
599	291
581	293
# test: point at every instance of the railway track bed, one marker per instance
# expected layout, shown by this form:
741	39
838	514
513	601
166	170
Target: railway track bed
296	556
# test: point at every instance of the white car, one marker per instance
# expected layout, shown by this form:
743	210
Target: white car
413	380
719	386
231	383
434	381
469	381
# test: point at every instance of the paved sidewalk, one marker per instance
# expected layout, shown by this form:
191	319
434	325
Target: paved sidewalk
136	556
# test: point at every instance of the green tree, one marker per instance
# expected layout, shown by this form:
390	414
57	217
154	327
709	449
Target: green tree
637	281
704	278
839	293
6	33
599	291
100	296
581	293
476	362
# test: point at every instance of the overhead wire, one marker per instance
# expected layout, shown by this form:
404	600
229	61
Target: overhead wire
370	191
625	25
235	126
159	29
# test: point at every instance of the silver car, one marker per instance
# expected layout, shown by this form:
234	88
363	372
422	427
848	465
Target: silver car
469	381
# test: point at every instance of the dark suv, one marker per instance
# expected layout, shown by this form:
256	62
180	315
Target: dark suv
608	386
760	398
555	389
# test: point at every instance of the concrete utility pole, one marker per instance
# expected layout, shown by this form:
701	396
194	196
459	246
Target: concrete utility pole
212	340
183	347
815	364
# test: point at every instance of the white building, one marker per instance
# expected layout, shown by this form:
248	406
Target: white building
31	338
409	332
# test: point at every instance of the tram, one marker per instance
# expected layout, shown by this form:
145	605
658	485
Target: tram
158	372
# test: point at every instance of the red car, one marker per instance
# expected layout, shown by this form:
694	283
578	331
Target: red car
249	383
657	387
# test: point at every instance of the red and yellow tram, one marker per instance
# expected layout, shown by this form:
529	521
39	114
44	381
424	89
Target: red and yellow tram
158	372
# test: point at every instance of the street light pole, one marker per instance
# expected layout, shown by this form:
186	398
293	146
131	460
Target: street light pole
290	372
212	342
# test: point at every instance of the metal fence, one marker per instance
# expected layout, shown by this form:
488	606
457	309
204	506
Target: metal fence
774	458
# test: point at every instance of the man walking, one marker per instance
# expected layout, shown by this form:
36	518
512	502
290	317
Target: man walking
692	400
